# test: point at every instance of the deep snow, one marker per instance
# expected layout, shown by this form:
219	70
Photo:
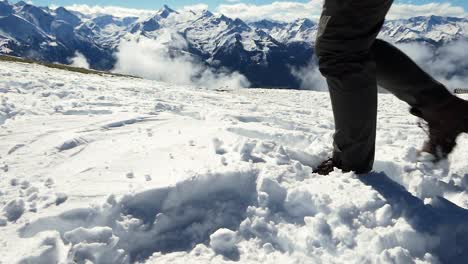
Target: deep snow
118	170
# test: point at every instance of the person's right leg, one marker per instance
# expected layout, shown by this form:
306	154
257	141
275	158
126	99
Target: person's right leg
401	76
445	113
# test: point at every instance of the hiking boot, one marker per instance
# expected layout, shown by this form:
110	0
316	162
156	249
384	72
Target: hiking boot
329	165
444	124
325	167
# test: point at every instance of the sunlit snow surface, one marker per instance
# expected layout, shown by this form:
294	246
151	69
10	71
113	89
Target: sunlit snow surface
119	170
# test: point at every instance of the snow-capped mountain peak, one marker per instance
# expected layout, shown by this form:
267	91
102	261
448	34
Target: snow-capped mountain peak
5	8
255	49
166	11
300	30
268	24
19	4
431	29
67	16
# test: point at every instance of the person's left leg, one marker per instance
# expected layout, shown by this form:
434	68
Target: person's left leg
347	31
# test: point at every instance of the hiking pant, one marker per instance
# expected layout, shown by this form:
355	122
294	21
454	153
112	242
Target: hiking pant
353	61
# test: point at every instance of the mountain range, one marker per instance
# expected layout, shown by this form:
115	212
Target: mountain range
263	51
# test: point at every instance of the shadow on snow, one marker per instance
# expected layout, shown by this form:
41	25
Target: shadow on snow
441	218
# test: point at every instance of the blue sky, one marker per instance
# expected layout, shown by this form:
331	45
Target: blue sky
154	4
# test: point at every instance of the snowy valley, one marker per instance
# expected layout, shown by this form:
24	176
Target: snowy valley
109	169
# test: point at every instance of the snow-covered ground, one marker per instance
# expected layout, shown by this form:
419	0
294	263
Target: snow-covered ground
116	170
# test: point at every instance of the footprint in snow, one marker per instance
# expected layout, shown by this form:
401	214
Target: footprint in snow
60	198
218	146
49	182
14	209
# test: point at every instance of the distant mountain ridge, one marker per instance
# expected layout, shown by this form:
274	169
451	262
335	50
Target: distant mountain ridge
264	51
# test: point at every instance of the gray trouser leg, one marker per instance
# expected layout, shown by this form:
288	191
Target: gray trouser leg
347	31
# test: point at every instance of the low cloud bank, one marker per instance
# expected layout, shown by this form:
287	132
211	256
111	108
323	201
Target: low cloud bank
447	64
310	77
79	61
164	60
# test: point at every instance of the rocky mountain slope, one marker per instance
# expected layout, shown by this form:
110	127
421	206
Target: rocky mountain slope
263	51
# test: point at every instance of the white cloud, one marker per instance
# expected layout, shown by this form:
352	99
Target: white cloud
197	7
287	11
310	77
440	9
282	11
111	10
79	61
123	11
448	64
152	59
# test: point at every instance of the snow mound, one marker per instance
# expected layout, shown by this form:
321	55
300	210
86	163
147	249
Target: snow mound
47	248
97	245
223	241
159	220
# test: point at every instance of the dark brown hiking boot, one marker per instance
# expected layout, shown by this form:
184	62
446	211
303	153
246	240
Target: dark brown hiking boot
325	167
329	165
445	123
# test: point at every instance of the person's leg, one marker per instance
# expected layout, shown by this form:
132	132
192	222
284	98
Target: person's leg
446	114
347	31
401	76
